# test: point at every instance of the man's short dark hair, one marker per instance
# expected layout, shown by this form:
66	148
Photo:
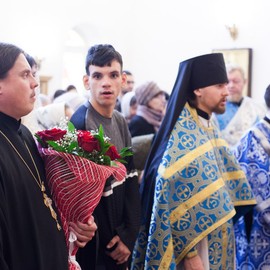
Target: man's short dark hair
102	55
127	72
8	56
267	96
71	87
58	93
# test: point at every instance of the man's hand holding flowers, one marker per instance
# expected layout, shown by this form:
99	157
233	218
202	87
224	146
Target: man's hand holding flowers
77	164
83	231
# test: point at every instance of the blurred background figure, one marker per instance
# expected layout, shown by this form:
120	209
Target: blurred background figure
151	102
30	119
129	105
128	87
71	97
130	81
241	111
58	93
71	87
44	99
52	115
45	114
33	64
253	232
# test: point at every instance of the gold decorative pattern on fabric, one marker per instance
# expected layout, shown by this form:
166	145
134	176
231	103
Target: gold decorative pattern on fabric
169	251
198	184
233	175
197	198
247	202
185	160
166	260
192	254
204	234
225	243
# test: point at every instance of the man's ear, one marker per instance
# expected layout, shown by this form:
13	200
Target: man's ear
198	92
86	82
124	79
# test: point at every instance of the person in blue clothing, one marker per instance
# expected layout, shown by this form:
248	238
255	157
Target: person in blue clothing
242	112
253	231
193	187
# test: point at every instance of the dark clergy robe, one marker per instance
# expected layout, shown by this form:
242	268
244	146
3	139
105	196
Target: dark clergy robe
29	238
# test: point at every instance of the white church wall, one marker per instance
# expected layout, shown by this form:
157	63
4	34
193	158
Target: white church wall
153	36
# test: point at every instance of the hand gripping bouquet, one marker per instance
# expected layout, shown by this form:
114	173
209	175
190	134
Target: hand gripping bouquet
77	164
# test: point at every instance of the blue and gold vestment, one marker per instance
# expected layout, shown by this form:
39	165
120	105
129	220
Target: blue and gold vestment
253	154
197	187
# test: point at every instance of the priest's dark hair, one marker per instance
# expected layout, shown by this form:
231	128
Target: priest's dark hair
102	55
8	55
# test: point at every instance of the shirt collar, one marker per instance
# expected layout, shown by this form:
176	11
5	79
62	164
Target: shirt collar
203	114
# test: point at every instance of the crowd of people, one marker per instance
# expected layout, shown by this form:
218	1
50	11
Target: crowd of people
196	190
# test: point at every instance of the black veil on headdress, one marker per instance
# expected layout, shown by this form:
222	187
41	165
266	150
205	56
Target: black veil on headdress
194	73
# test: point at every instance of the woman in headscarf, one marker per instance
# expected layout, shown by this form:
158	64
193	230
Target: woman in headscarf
151	102
129	105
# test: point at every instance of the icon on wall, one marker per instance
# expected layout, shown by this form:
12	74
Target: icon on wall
241	57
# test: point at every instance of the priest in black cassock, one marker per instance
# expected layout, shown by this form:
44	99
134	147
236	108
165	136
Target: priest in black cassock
30	234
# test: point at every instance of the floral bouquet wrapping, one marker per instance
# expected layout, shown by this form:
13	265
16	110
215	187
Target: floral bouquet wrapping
77	164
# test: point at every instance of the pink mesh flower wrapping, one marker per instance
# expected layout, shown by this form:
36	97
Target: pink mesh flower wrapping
76	186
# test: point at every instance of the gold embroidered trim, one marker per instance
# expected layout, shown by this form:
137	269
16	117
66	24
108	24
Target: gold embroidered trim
233	175
248	202
192	254
224	244
166	260
189	157
204	234
168	255
196	198
179	165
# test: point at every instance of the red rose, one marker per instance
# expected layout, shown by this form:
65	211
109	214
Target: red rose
113	153
54	134
87	141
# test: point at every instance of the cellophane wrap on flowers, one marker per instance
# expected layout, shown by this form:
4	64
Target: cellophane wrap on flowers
76	185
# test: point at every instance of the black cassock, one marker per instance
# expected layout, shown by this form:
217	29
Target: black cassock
29	238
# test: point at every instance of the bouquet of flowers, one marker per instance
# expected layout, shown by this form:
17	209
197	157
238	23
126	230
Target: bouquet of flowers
77	164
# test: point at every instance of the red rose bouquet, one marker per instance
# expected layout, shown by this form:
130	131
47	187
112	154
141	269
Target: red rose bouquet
77	164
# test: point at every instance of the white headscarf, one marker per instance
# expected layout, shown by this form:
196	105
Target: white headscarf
50	115
125	104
